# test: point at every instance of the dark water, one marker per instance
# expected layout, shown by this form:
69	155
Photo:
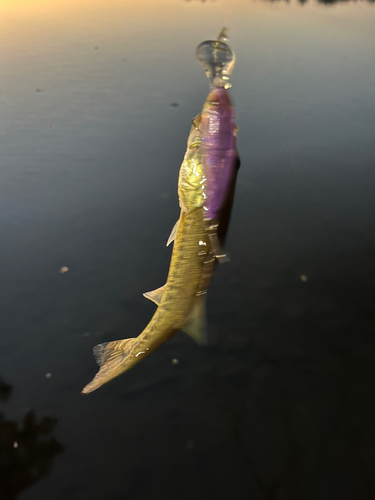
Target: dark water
281	404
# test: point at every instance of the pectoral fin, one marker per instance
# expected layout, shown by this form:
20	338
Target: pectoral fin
155	295
196	325
172	236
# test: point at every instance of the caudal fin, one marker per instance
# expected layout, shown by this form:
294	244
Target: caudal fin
113	359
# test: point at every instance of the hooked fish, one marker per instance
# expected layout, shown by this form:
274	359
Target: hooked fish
181	301
206	186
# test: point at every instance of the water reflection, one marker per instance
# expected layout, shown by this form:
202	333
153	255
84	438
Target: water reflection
293	447
302	2
25	457
328	2
5	390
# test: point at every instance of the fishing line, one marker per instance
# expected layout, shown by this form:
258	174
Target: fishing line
228	11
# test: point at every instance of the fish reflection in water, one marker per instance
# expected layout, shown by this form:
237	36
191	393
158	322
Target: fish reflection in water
25	457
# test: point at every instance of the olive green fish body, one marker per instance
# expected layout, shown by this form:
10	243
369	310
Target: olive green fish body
181	302
192	179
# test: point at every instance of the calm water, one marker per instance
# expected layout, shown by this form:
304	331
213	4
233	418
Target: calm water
281	404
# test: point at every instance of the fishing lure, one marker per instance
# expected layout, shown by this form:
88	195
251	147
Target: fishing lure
215	135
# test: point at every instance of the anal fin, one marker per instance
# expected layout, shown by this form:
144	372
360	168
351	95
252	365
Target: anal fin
196	325
155	295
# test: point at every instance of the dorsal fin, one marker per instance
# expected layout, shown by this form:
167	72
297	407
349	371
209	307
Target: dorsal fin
196	325
155	295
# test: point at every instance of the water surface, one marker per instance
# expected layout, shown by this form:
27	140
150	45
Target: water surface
96	103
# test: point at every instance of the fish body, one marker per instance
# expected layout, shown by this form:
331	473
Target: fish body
181	301
192	178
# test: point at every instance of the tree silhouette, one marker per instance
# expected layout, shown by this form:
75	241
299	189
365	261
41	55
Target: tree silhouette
25	457
5	390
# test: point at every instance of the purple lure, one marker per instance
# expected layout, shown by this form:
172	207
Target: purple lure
218	147
218	131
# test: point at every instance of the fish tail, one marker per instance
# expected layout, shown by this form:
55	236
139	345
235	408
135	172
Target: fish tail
113	359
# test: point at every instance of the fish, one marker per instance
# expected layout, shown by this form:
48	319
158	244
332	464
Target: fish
206	186
218	131
181	301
